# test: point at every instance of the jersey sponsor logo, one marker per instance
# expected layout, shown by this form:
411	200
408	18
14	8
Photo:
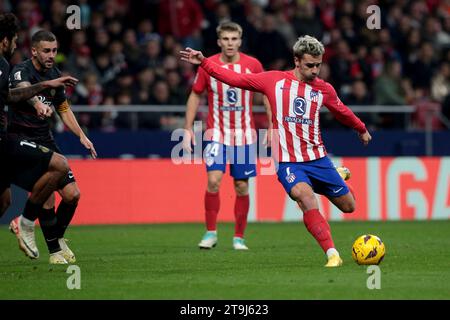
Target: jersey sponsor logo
314	96
299	106
44	101
232	108
298	120
232	96
18	75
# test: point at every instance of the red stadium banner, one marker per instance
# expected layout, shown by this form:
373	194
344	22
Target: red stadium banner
159	191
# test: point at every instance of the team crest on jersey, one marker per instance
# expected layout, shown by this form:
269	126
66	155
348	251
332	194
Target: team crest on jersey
299	106
18	75
314	96
44	149
232	95
290	177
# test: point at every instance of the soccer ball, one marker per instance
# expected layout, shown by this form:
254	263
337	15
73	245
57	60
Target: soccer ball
368	249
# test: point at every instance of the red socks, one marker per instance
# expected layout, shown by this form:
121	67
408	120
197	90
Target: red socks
212	206
241	207
319	228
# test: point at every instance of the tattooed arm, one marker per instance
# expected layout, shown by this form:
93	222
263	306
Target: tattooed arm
27	91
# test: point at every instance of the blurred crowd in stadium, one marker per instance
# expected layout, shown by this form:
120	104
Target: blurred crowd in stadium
126	52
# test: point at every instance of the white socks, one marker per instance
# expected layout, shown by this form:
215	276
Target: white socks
331	252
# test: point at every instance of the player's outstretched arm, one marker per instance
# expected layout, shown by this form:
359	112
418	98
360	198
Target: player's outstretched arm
246	81
28	91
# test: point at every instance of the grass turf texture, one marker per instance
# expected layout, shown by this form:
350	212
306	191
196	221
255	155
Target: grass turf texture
284	262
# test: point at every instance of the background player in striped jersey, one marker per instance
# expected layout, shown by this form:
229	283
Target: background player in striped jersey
230	132
295	98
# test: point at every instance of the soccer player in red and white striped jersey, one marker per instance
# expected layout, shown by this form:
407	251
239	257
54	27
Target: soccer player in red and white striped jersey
295	98
230	132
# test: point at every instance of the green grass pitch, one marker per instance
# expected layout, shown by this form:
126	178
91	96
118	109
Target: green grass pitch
284	262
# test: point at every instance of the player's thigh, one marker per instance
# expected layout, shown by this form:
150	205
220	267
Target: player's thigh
325	179
214	156
290	174
345	203
304	195
242	161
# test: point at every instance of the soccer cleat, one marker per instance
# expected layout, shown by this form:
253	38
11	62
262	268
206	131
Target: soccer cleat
334	261
25	237
209	240
66	252
57	258
238	244
344	173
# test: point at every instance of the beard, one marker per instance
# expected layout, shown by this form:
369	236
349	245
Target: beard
8	53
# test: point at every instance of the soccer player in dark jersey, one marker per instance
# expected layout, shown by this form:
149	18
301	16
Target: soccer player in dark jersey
30	166
26	124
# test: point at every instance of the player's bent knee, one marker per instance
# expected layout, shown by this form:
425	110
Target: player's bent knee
348	207
59	163
214	185
71	196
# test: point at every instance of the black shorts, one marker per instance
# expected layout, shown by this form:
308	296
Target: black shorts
22	162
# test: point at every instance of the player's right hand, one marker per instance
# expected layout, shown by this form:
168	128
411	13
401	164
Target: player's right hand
43	111
191	56
62	81
188	138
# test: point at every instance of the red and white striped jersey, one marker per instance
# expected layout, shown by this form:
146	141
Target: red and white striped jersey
230	118
295	109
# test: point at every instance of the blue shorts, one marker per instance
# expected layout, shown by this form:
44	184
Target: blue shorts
320	174
242	159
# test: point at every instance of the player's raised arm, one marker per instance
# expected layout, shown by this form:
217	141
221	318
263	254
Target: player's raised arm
250	81
21	93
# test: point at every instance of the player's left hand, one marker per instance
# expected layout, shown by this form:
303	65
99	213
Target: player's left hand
89	145
365	137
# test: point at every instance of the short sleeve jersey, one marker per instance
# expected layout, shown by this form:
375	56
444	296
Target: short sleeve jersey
23	119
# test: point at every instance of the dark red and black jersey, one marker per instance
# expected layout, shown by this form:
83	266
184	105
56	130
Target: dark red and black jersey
23	119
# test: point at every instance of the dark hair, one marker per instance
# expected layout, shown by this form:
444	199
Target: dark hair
9	26
42	35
